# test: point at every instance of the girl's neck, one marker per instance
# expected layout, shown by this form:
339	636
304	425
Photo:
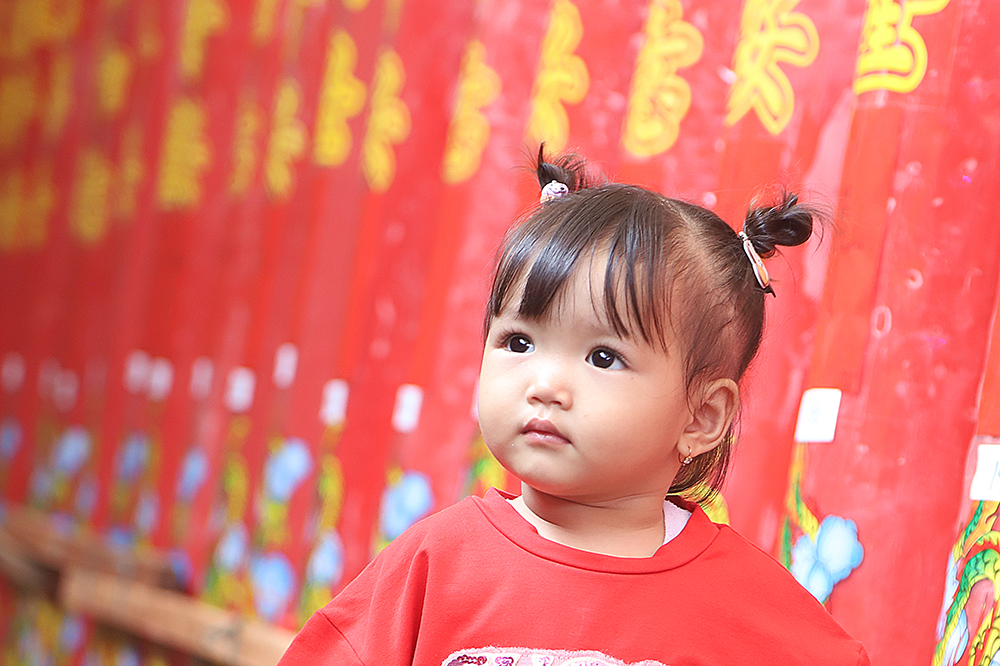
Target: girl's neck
626	527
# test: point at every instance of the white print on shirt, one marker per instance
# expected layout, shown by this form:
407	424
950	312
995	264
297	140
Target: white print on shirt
491	656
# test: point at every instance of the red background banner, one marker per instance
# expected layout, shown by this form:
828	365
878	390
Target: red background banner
245	250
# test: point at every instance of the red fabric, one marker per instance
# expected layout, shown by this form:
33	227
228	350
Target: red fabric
477	575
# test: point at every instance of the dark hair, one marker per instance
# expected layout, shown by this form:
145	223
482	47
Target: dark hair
669	264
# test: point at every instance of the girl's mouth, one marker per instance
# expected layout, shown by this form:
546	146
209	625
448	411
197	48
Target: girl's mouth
540	431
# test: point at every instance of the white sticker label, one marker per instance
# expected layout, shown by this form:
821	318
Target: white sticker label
286	360
986	481
48	371
333	410
201	377
406	415
14	370
161	379
137	368
239	389
818	412
65	389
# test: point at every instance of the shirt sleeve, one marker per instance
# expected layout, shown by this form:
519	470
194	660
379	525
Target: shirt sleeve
320	644
375	620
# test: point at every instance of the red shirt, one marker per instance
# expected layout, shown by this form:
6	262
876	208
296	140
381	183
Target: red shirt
476	584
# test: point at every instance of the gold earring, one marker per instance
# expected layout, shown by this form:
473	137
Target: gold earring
687	460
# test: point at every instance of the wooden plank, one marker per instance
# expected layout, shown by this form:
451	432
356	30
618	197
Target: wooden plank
19	567
41	538
172	619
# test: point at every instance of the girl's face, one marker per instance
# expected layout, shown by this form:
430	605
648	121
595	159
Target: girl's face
576	411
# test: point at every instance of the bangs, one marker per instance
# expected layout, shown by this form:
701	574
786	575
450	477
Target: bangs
619	224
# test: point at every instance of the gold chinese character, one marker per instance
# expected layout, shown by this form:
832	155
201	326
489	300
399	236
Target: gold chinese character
562	77
892	55
287	141
130	172
10	208
184	156
204	18
18	100
342	97
469	131
36	23
60	94
659	98
25	205
264	12
249	120
771	34
114	73
41	198
388	122
89	206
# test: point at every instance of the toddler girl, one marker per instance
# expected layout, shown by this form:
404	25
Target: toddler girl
618	326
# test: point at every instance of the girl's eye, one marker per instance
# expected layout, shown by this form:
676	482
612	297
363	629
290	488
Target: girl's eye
604	358
519	344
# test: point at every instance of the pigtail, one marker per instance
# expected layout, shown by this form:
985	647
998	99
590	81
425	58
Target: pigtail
788	223
569	169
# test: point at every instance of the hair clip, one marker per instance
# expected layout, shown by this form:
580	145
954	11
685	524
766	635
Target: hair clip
759	271
553	190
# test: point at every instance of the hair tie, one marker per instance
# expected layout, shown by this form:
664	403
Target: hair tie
553	190
759	271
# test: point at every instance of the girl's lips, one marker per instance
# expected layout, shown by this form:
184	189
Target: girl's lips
540	431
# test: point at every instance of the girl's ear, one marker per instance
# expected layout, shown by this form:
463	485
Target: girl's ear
711	419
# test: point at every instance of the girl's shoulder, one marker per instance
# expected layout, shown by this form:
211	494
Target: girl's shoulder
741	560
753	581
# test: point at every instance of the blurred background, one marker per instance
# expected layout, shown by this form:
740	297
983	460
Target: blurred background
245	249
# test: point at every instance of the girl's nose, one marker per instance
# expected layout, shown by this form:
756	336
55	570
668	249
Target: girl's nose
550	386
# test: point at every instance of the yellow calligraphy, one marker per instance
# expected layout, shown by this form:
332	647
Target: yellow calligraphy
113	78
331	491
272	515
249	120
25	205
130	173
89	206
892	55
60	94
150	41
204	19
235	482
562	77
264	15
392	14
770	34
18	100
184	157
287	141
37	23
355	5
659	98
388	122
341	98
39	199
235	474
330	487
11	201
469	131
